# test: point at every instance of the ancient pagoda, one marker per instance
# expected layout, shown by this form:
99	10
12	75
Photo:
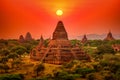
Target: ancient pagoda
109	37
84	39
21	39
28	37
59	49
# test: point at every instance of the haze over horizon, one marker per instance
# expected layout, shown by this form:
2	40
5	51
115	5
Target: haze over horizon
39	17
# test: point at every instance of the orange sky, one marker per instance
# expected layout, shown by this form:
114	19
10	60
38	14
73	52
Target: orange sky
38	17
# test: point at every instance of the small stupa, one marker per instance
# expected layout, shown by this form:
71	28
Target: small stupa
21	39
28	37
84	39
59	49
109	37
41	43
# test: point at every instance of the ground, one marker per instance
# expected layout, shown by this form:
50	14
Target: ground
27	67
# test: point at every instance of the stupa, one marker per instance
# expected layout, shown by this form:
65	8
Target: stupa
59	49
84	39
28	37
109	37
21	39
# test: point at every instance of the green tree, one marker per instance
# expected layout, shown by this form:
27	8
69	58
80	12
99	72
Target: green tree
28	46
84	71
64	75
12	77
4	41
1	66
3	59
19	50
117	75
4	52
4	67
12	56
74	42
91	76
16	63
102	49
107	75
94	43
39	68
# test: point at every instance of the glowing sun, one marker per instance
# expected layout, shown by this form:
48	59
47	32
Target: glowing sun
59	12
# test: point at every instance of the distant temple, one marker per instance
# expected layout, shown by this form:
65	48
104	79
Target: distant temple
109	37
84	39
28	37
41	43
59	49
21	39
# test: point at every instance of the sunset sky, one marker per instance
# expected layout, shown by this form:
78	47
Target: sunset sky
39	17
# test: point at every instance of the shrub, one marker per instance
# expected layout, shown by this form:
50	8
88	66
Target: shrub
11	77
84	71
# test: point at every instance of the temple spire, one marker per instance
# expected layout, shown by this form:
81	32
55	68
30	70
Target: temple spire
21	39
109	36
60	32
41	39
84	39
28	37
41	43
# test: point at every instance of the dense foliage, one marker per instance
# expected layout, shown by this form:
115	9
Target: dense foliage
104	65
96	43
12	77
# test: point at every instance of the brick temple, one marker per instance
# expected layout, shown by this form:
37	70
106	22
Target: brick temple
59	49
84	39
109	37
